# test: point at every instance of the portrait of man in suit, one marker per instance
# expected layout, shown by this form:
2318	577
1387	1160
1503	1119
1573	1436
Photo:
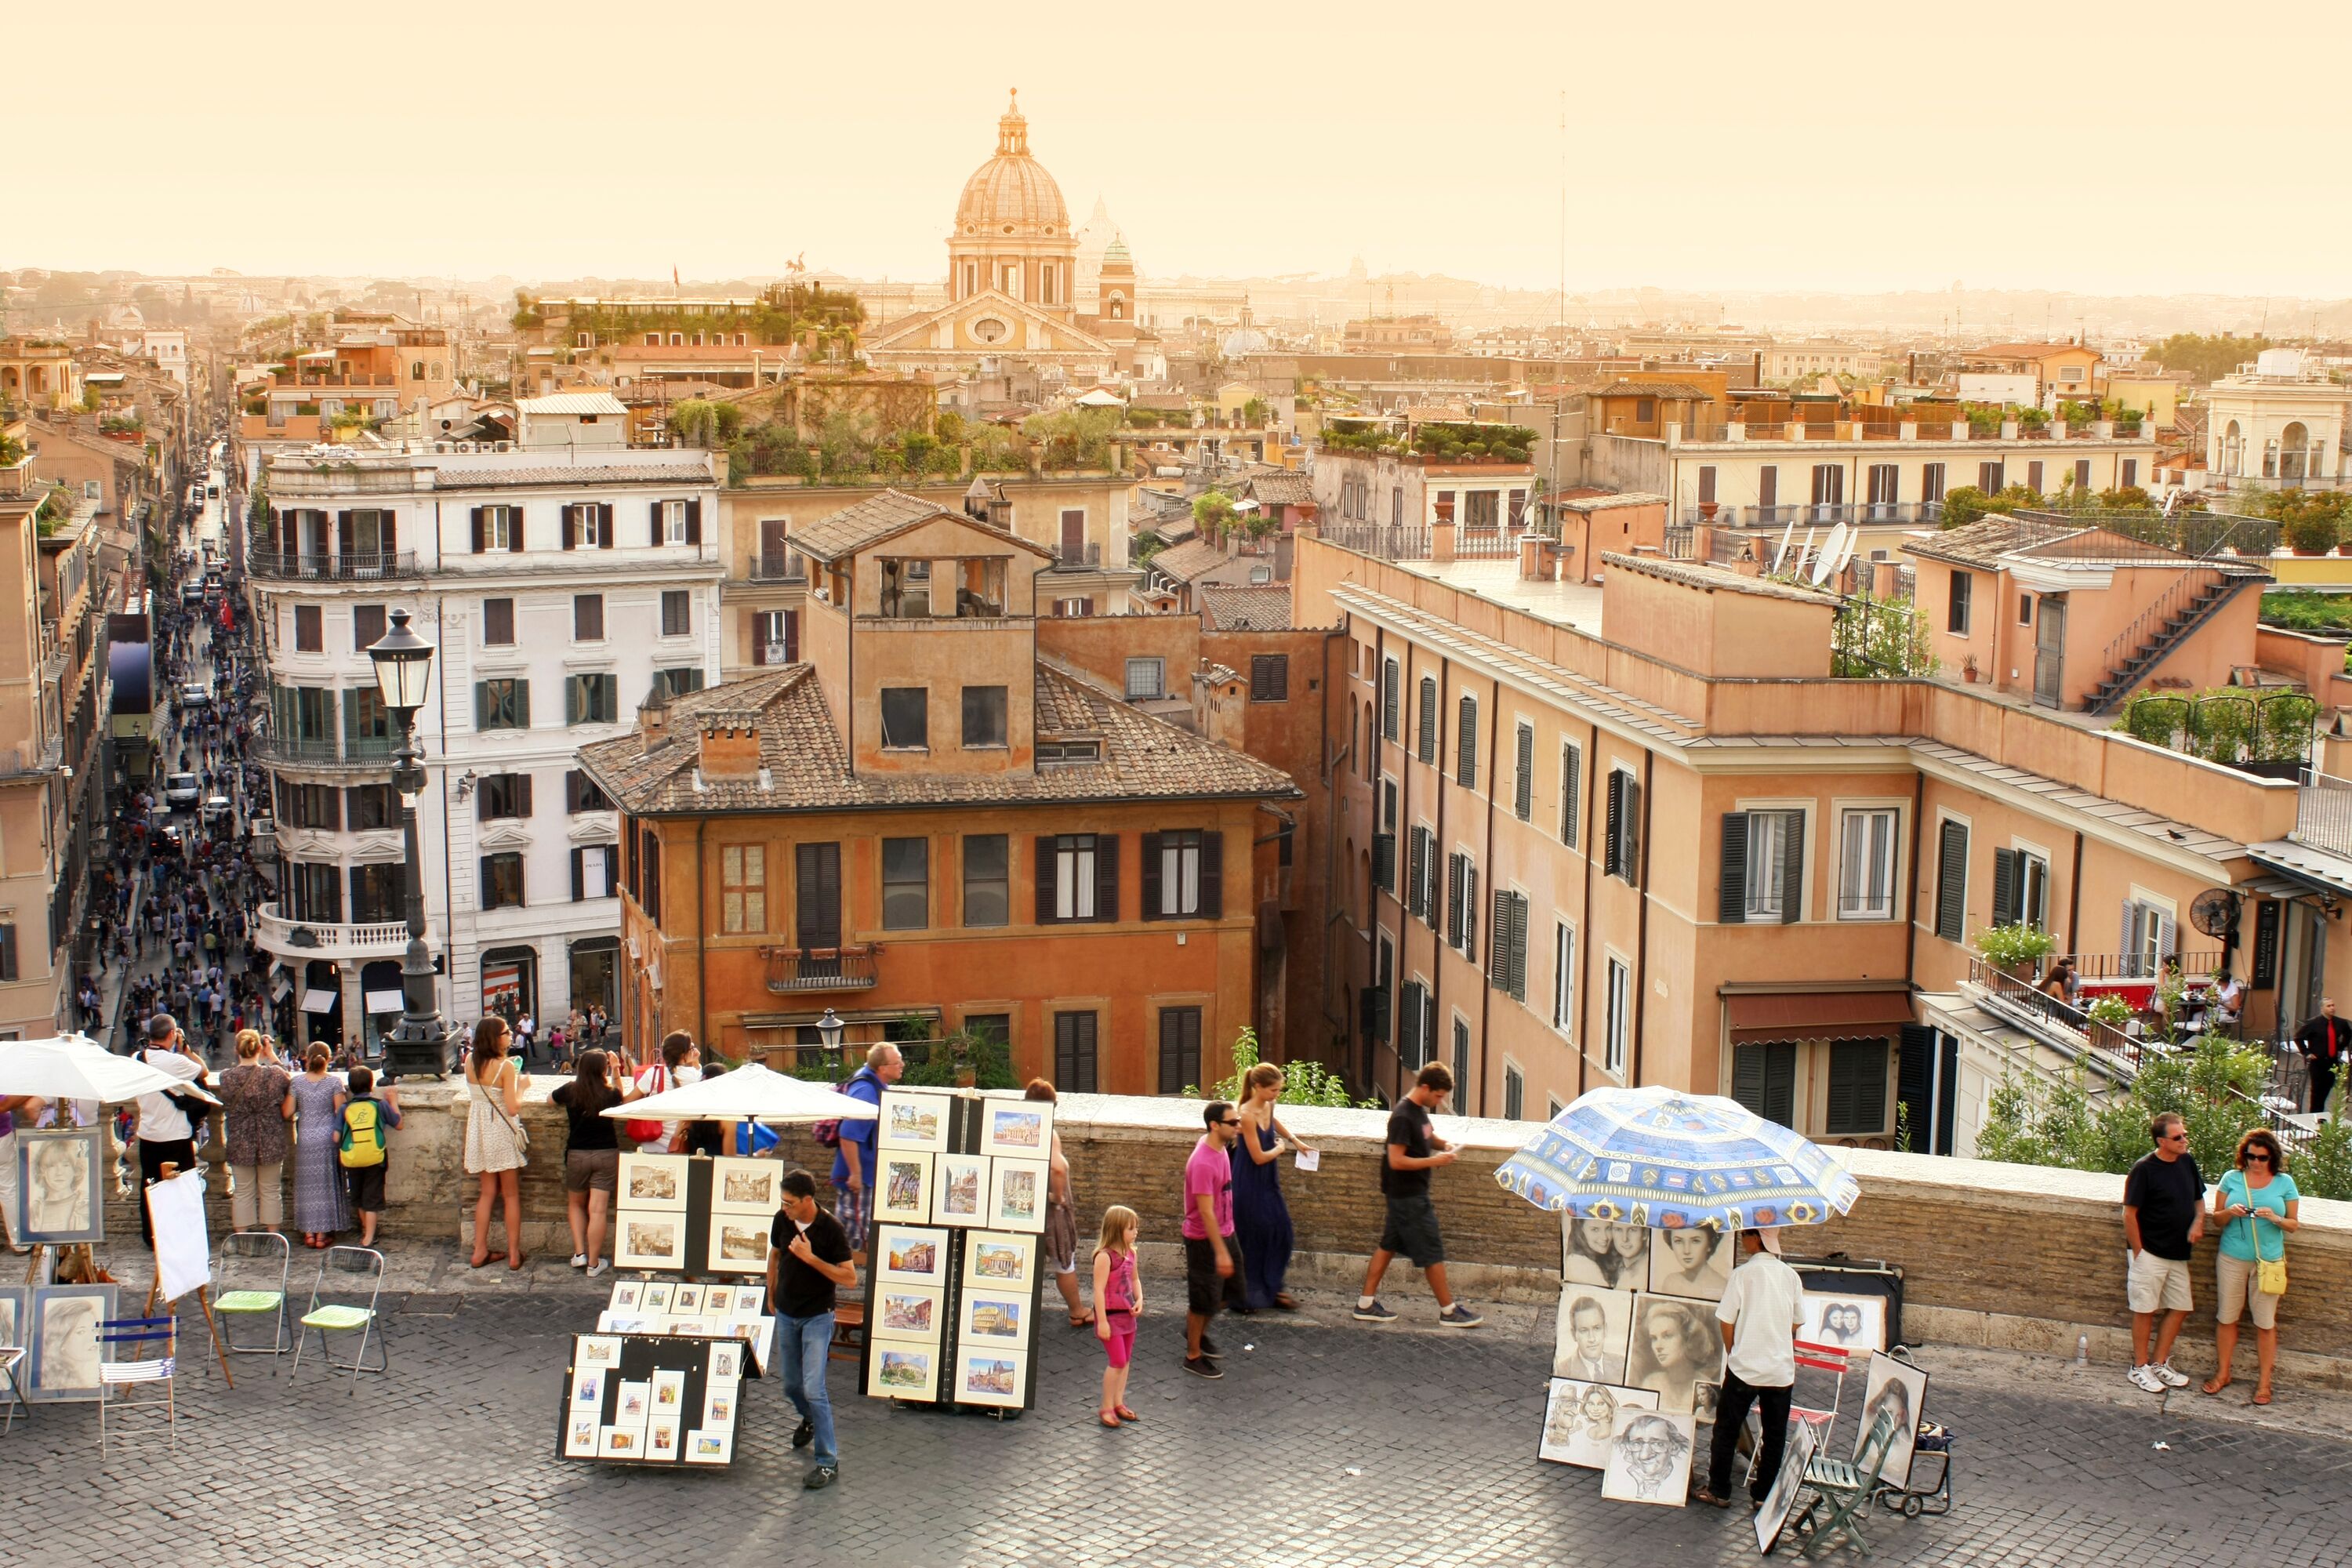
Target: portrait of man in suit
1588	1356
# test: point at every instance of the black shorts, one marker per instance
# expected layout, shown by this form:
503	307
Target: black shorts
1410	1230
366	1183
1202	1288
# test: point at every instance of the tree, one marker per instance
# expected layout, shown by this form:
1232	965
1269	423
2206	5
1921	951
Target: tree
1213	514
2207	359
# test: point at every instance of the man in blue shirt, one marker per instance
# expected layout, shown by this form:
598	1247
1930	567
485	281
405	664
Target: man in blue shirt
853	1160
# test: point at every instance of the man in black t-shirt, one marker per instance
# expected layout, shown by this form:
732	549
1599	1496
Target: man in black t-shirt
1410	1226
2164	1215
807	1261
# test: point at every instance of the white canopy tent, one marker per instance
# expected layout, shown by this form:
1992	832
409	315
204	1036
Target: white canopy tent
75	1066
752	1094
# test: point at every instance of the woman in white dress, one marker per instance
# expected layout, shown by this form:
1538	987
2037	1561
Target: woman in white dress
494	1136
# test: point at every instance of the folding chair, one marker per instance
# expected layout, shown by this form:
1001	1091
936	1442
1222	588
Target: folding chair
1834	1359
114	1374
1842	1490
346	1316
11	1371
246	1255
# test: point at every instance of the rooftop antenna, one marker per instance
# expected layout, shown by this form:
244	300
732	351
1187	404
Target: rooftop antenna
1780	556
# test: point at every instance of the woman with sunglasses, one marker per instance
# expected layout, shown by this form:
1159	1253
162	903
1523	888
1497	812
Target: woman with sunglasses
2256	1203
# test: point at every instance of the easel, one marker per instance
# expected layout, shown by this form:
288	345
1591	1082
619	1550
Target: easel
202	1293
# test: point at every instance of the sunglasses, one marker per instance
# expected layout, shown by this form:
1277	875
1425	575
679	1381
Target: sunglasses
1230	1121
2262	1154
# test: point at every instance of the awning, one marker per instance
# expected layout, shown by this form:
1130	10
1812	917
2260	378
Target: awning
315	1001
2314	870
386	1002
1815	1015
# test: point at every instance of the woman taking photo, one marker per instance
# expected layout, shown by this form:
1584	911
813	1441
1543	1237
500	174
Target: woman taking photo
494	1135
1260	1219
591	1156
2257	1203
315	1102
253	1097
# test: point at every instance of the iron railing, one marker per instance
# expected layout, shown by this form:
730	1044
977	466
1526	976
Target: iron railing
2323	812
1076	557
2153	627
779	566
793	969
295	566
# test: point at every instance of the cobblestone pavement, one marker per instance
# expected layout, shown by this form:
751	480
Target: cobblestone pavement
1330	1442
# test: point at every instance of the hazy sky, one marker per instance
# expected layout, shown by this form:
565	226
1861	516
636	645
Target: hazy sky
1708	145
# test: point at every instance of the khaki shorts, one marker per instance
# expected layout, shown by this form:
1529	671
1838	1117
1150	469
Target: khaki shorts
2234	1277
2157	1284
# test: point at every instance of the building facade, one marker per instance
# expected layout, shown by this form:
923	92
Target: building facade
2279	423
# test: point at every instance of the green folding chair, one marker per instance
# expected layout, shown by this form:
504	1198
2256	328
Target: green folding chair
1842	1489
346	1316
252	1274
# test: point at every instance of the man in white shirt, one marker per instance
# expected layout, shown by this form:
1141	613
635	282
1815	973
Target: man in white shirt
164	1135
1762	1307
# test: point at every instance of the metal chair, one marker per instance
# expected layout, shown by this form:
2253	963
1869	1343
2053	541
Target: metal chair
114	1374
346	1316
1841	1491
246	1256
12	1369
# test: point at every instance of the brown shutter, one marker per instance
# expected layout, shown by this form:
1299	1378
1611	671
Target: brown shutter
514	531
522	794
1150	874
572	539
346	534
759	637
579	875
654	537
478	545
1045	879
1212	875
571	792
694	522
1106	877
603	525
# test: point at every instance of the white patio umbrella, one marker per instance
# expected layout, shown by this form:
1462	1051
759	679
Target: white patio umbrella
75	1066
752	1094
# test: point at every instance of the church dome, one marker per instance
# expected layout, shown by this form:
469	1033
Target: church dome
1011	194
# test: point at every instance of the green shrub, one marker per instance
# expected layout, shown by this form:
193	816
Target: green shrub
1303	1082
2018	947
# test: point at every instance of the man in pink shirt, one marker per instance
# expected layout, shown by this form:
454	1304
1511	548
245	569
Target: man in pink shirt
1210	1268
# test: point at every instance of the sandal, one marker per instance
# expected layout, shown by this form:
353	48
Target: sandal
1286	1301
2216	1386
1107	1419
1711	1500
517	1262
1126	1414
2262	1396
1082	1322
481	1262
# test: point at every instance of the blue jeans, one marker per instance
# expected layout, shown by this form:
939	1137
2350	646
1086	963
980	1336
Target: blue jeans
806	1343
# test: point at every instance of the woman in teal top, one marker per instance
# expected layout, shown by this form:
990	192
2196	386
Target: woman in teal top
2256	1203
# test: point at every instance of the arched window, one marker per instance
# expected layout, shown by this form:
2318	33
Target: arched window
2233	447
1118	307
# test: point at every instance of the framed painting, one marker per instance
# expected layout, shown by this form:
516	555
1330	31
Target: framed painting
706	1446
669	1392
989	1377
1580	1420
621	1443
747	1186
588	1385
739	1244
1016	1128
1854	1323
914	1121
1649	1458
1779	1502
579	1436
906	1255
61	1341
687	1301
12	1322
1676	1348
634	1408
591	1352
995	1260
1016	1196
1901	1389
661	1439
1595	1326
726	1363
60	1183
718	1301
994	1319
749	1299
656	1295
1694	1264
626	1294
718	1407
652	1182
900	1370
902	1191
960	1189
650	1239
907	1312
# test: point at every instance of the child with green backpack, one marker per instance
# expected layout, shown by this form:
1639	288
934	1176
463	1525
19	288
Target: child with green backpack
363	1135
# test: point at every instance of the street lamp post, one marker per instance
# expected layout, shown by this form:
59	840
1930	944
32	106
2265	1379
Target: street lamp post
404	671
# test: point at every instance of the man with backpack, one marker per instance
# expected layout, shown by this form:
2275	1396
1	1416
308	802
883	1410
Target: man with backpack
363	1134
852	1142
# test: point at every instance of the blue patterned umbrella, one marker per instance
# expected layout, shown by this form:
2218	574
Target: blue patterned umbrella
1661	1158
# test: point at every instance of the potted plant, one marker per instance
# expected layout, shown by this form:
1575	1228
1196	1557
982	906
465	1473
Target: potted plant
1969	668
2017	949
2108	1016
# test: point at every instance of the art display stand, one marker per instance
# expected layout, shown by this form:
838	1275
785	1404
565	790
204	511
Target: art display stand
651	1386
203	1291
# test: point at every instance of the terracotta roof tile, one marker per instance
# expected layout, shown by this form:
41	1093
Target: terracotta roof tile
1246	609
1189	560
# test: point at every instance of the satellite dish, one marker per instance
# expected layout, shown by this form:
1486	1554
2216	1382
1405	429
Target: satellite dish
1780	555
1845	556
2214	912
1821	572
1804	551
1834	544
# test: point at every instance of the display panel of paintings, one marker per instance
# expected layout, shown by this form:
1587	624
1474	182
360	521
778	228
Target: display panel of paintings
914	1121
992	1378
1693	1264
1580	1419
738	1243
1649	1457
1901	1389
907	1255
1595	1327
995	1260
1016	1128
900	1369
902	1188
960	1189
1854	1322
1016	1196
652	1182
1677	1350
909	1312
644	1399
650	1239
747	1186
63	1350
60	1185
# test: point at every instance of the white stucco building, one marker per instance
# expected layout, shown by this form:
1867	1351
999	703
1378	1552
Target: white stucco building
2278	423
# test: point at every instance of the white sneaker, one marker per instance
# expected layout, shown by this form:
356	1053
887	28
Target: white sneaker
2145	1377
2172	1379
599	1266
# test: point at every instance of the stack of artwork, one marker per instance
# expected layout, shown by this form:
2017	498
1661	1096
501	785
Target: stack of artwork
652	1401
665	1219
658	1306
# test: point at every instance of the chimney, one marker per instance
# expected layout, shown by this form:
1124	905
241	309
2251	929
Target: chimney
730	744
652	718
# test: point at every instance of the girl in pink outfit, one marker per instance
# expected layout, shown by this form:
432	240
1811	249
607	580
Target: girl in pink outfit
1118	1297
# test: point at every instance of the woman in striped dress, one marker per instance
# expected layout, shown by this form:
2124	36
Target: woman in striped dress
321	1206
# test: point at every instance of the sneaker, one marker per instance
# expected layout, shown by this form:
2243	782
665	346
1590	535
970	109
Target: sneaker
2145	1377
1201	1366
599	1266
579	1260
1375	1313
1458	1316
803	1435
2172	1379
1208	1347
822	1476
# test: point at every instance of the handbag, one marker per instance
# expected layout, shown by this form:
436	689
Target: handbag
647	1131
2270	1273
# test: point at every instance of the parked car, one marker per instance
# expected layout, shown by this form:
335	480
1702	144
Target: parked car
217	808
195	694
192	595
181	791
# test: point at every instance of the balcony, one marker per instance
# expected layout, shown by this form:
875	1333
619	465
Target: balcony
792	970
1076	558
368	753
2070	1029
289	566
779	566
314	939
2322	813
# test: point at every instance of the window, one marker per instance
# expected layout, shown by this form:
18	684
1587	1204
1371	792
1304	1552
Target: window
1078	877
672	519
1931	483
367	627
987	879
588	525
775	637
1269	678
677	682
1991	478
1419	875
593	874
1384	874
308	805
1462	905
1767	486
1506	955
1563	978
496	528
2025	609
1074	1053
502	795
580	794
1183	875
367	725
379	893
1415	1024
372	805
905	884
309	630
1763	867
503	704
498	623
1571	765
1481	509
677	613
91	489
2148	939
1963	590
983	716
1764	1080
2129	478
502	881
1523	778
592	698
2082	473
587	617
2033	478
1466	742
1460	1059
1620	1018
1952	880
1388	675
905	718
1179	1048
1146	680
1425	738
1515	1092
816	893
2020	889
1866	866
1857	1088
318	892
1622	848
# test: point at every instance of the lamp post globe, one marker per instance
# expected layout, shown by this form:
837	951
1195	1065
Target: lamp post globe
404	665
829	1028
404	675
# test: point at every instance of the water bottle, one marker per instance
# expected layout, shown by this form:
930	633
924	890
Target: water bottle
2082	1350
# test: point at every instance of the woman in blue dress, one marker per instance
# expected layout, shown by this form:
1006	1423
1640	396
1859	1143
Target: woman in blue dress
1260	1219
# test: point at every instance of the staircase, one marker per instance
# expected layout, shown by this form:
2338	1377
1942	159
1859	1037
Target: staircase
2162	628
